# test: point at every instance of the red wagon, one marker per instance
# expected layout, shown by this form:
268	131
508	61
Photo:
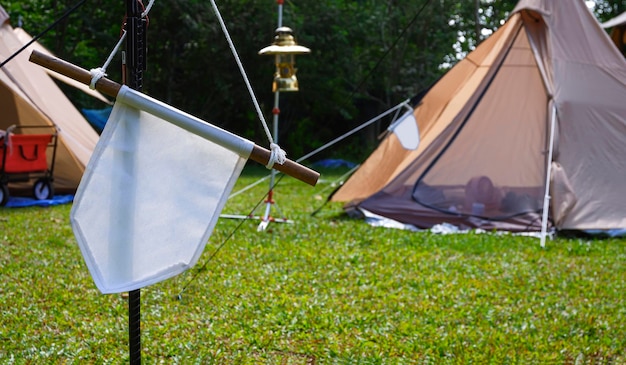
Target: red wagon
24	158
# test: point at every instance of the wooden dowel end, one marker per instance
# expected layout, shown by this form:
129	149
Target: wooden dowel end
104	85
291	168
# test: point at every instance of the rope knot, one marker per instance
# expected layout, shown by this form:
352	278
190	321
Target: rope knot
96	74
277	155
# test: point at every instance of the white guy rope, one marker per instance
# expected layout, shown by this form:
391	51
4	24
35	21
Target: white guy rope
145	12
329	144
345	135
100	72
277	154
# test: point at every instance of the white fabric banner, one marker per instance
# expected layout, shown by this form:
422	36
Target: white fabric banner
406	130
150	196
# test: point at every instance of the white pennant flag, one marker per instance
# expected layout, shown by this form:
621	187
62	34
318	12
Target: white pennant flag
405	128
152	192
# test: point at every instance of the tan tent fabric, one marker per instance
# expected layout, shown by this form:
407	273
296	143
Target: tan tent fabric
24	38
434	113
28	96
485	129
4	16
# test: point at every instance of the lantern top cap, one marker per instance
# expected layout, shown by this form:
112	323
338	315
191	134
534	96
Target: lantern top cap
284	43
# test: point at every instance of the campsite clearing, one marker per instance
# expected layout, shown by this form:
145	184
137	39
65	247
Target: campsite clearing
326	289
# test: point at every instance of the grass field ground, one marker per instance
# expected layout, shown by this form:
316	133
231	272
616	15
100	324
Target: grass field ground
324	290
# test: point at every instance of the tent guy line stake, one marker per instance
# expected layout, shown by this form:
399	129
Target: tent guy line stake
112	88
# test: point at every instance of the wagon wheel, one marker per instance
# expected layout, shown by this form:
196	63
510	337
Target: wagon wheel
43	189
4	194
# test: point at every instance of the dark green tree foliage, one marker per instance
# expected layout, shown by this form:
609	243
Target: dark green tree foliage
192	67
367	56
86	37
608	9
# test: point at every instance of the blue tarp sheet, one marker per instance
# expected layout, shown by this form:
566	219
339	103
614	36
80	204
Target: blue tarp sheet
20	202
97	117
608	232
333	163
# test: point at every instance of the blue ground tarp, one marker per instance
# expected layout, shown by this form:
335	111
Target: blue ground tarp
607	232
97	117
333	163
21	202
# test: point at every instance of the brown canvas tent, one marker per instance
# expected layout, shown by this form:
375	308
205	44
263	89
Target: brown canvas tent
618	31
28	96
547	86
26	38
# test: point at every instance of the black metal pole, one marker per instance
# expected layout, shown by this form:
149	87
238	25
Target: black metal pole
134	65
134	326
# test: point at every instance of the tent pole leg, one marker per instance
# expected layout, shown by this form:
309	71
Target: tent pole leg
265	220
546	199
134	326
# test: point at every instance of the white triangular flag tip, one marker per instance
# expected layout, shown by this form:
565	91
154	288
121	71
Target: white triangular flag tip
152	192
405	129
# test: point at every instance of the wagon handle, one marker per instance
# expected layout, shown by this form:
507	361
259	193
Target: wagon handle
112	88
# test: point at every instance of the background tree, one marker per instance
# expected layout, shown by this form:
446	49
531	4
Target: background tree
607	9
367	56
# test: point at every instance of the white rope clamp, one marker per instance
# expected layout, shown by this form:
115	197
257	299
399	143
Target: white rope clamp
100	72
277	155
96	74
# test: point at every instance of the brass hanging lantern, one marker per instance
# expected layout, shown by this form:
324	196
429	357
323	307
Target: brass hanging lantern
284	48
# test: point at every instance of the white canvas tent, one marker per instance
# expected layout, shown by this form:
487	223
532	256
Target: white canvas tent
532	121
29	96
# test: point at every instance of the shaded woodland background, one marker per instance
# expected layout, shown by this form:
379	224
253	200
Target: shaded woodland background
367	56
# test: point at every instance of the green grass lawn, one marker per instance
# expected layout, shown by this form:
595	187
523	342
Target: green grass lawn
324	290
